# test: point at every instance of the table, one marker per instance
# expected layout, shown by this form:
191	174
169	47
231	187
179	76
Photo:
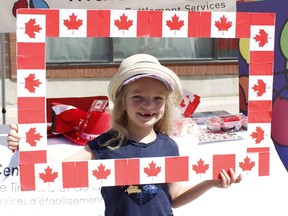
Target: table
253	196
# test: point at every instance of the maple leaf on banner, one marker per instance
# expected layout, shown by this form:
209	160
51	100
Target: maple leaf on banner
152	170
247	165
73	23
262	38
32	136
260	88
223	25
48	175
31	28
102	172
200	167
31	83
175	23
258	135
123	23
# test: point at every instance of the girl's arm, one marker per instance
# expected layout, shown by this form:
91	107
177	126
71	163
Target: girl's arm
84	154
184	195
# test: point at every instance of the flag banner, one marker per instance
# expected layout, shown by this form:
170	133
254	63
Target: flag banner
135	171
76	23
8	8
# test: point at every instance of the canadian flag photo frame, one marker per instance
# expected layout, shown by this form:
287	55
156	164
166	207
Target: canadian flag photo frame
35	25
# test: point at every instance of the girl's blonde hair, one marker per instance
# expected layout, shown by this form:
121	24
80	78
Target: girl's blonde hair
119	119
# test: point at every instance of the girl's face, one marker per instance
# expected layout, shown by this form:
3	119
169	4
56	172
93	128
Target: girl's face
145	103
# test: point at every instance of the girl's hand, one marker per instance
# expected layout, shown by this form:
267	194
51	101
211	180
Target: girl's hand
13	137
228	178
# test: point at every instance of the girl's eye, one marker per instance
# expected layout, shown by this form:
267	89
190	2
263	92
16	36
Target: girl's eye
137	97
159	98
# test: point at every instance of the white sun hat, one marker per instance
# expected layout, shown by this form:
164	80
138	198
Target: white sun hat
143	65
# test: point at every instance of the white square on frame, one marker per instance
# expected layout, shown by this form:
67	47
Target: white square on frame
101	173
31	28
262	38
152	170
260	87
123	23
223	25
31	83
48	176
174	24
73	23
33	137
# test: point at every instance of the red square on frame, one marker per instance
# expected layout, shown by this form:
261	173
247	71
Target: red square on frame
31	55
31	110
221	162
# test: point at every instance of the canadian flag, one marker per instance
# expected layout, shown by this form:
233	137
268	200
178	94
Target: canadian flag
99	105
189	103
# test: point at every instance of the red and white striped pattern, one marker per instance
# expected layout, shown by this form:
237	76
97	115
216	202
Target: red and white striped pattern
33	26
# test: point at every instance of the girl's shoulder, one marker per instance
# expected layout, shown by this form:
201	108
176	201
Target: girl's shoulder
100	140
167	143
166	138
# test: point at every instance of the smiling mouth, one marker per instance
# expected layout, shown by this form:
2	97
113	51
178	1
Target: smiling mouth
146	114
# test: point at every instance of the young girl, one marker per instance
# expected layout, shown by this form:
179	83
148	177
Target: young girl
144	94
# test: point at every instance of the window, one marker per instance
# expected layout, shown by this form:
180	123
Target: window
65	51
77	50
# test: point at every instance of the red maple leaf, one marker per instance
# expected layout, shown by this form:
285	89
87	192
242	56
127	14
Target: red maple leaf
260	88
31	28
73	23
31	83
32	136
152	170
183	103
123	23
247	165
101	173
200	167
258	135
175	23
262	38
48	175
223	25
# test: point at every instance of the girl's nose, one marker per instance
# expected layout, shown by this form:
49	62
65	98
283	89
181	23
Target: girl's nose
147	102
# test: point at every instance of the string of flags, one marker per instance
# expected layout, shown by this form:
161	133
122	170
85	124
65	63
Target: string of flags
34	26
